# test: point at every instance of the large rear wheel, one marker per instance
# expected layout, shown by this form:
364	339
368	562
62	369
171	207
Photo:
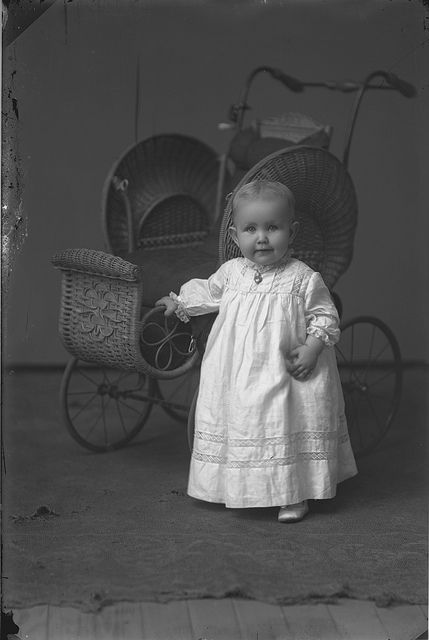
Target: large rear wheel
191	421
176	396
370	366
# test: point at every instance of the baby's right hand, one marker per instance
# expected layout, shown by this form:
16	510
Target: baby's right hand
169	304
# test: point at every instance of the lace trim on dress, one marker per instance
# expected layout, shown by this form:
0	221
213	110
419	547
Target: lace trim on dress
263	268
263	462
266	267
277	440
180	312
320	333
299	279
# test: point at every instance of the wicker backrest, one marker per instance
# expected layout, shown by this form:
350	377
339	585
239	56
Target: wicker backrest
326	208
170	184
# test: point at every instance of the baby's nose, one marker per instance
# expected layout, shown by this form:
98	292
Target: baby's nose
262	237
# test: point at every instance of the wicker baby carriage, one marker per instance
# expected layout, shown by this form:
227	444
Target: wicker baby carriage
127	357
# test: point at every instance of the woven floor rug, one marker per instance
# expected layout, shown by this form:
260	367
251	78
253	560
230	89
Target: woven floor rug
122	527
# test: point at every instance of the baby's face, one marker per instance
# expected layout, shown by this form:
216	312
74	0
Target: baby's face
263	230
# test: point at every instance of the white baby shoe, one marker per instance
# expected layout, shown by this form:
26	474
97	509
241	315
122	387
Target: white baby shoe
293	512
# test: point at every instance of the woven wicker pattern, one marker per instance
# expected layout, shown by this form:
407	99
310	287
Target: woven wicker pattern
101	314
181	214
326	207
97	263
171	187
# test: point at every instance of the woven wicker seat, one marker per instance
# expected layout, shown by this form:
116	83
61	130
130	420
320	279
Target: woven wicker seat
170	184
326	207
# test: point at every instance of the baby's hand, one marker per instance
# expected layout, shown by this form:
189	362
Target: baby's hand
169	304
302	361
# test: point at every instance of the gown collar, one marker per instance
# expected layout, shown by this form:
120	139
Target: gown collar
262	268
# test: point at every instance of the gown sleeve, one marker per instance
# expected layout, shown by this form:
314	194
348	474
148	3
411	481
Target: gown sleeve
321	315
197	297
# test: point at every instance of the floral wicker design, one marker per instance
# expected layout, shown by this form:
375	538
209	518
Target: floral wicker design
326	208
168	184
101	316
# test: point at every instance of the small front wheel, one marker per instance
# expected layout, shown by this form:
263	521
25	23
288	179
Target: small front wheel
104	408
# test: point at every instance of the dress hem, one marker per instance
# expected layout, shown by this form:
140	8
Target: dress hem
275	502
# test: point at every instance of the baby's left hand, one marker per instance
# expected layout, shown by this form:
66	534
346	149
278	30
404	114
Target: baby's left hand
301	362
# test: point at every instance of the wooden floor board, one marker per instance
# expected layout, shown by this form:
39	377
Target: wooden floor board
32	622
121	621
214	619
311	622
357	620
260	621
404	622
68	623
164	621
227	619
424	609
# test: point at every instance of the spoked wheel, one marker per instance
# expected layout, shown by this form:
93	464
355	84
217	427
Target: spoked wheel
191	421
175	396
369	362
104	408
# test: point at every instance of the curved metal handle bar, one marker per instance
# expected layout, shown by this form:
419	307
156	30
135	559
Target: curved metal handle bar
167	341
157	342
121	187
350	86
405	88
169	338
172	349
239	109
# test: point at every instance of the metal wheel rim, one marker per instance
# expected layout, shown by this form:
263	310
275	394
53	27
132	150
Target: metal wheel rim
191	421
176	414
69	420
395	370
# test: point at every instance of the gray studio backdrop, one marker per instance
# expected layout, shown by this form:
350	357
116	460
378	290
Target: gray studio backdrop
75	86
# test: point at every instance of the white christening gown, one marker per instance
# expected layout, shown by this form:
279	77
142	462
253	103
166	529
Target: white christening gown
263	438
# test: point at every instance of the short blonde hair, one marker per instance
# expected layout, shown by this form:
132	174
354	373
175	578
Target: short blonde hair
268	189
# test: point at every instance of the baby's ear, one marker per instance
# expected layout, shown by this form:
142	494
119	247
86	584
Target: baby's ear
233	233
294	228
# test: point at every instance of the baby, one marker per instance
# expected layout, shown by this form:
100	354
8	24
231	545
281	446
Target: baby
270	428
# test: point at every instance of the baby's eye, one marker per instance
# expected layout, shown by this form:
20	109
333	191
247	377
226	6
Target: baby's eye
272	227
251	228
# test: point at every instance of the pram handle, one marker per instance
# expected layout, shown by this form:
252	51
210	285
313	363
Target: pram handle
393	82
288	81
237	111
404	88
351	86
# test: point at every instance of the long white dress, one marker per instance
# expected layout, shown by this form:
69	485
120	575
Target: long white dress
263	438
